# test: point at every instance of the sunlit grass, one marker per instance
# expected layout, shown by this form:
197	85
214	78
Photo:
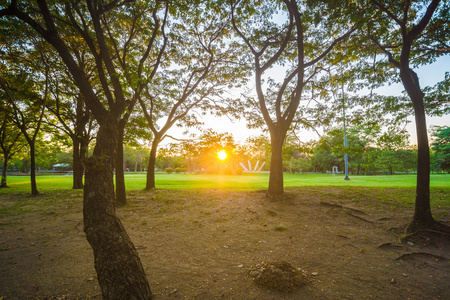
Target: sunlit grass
247	181
382	192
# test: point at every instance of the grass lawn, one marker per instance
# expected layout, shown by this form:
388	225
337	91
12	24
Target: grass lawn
136	181
196	241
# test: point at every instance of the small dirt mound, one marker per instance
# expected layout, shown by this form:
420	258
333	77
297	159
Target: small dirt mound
280	276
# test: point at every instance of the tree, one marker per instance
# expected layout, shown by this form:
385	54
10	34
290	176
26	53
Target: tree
135	157
301	164
11	141
256	148
298	48
25	86
27	111
70	117
195	77
329	151
391	143
411	34
441	147
207	147
148	31
121	38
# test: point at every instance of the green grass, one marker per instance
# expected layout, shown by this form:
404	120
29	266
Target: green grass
136	181
395	191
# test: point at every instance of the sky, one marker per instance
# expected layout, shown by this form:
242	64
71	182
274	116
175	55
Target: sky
428	75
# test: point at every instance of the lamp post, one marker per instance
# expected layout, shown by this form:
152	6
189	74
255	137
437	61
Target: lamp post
345	136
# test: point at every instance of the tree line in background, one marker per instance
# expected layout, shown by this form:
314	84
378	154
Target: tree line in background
368	154
112	72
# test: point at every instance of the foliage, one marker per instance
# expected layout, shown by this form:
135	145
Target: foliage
255	148
292	45
437	101
301	164
368	152
178	170
164	161
441	147
135	157
200	156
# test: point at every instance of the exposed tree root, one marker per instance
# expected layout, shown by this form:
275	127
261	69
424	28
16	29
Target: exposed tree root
428	237
330	204
358	217
418	225
389	246
275	197
412	254
348	210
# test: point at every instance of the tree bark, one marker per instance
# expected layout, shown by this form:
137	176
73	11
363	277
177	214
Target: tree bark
4	171
120	272
151	165
121	197
275	190
78	168
80	141
34	190
422	211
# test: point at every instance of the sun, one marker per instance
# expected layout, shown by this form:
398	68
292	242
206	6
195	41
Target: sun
222	154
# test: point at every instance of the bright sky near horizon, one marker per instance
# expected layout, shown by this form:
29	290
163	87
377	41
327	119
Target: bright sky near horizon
429	75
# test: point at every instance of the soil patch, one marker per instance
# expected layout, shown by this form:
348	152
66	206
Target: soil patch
318	243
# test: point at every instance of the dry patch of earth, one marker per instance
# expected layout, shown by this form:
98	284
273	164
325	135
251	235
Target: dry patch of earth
327	242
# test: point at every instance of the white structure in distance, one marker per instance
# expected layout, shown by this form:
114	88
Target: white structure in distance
250	169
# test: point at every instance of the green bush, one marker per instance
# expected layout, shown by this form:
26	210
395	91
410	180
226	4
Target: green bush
169	170
179	170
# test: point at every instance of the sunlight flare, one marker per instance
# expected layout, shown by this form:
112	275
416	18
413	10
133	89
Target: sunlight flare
222	154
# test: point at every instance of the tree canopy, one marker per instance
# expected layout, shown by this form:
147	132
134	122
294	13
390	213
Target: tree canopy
97	67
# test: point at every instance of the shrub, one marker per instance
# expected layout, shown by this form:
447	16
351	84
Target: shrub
169	170
178	170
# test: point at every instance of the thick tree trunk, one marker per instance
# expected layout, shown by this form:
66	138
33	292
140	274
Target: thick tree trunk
34	190
275	190
5	170
119	269
422	212
121	198
78	168
151	165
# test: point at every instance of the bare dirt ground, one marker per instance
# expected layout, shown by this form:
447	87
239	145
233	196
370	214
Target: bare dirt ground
208	244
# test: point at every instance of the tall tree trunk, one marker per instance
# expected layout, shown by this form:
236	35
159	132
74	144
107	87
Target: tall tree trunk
422	212
78	169
80	141
275	190
84	143
5	170
151	165
34	190
119	269
121	197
